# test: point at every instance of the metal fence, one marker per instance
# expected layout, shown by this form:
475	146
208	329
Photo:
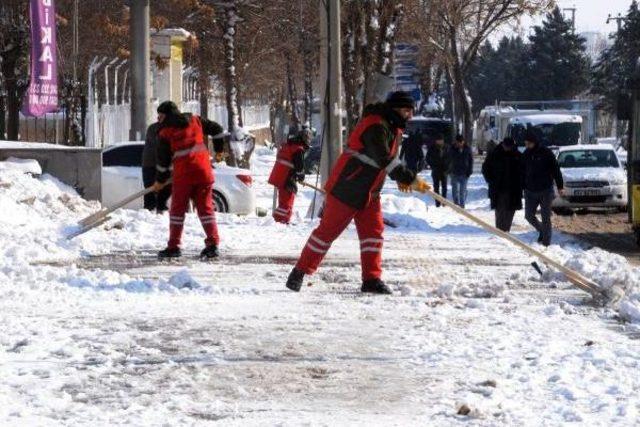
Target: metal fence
109	124
64	127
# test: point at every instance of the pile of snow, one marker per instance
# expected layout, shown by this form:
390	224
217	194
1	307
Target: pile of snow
36	215
608	271
22	165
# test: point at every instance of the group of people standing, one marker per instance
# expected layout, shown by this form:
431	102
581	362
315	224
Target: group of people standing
532	174
455	162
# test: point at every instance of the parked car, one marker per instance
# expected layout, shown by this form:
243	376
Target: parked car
122	176
593	176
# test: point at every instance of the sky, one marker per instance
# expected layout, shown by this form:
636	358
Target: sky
591	15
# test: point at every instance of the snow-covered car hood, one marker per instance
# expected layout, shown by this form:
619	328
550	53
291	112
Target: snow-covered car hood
593	174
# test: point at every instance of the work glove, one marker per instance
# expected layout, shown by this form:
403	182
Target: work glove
300	177
404	188
420	185
157	186
219	157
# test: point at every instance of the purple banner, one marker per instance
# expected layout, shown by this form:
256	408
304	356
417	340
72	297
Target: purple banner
42	94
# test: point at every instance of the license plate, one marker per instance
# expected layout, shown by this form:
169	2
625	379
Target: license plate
586	193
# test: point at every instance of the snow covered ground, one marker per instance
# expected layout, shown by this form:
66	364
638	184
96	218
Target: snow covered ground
97	332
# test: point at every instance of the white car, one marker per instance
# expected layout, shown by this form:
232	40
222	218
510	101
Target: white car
593	178
122	176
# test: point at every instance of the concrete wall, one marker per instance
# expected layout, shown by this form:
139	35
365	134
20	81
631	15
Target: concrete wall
81	168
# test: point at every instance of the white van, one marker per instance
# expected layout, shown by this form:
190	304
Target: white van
552	130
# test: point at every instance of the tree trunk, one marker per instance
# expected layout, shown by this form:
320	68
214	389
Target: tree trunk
291	90
464	114
203	89
3	109
14	103
230	81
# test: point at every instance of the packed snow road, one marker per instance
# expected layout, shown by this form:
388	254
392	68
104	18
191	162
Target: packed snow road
98	332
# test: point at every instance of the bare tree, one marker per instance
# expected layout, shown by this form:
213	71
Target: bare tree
464	25
370	29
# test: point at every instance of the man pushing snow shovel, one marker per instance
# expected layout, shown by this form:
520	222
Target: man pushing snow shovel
182	149
353	191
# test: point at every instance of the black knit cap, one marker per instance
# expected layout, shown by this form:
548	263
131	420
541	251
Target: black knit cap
169	108
459	138
509	142
401	99
531	137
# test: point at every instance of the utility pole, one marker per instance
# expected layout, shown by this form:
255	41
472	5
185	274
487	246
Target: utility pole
140	68
619	19
331	83
573	16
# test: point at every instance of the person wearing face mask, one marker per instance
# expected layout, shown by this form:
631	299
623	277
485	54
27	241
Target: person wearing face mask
353	191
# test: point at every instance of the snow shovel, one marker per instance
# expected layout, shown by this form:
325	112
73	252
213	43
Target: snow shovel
96	219
574	277
321	190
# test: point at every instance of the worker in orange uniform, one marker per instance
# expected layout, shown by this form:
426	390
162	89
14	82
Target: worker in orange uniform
288	170
183	154
353	191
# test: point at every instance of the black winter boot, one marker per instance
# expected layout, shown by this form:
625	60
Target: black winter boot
376	286
170	253
294	282
210	251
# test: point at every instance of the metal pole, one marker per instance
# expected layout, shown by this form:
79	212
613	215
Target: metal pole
115	81
140	68
331	70
106	80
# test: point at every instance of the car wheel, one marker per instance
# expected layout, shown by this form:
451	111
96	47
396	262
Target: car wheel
622	209
220	202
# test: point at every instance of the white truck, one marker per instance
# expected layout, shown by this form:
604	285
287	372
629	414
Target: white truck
557	123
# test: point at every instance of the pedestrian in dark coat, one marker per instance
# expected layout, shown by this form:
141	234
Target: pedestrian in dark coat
502	171
153	201
439	161
461	169
412	152
540	170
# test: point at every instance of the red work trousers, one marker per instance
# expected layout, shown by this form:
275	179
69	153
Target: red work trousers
335	218
202	197
285	206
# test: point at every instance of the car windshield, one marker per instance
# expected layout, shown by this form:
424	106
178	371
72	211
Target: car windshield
549	135
588	159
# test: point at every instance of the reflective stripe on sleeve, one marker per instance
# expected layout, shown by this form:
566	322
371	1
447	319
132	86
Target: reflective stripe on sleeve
191	150
286	163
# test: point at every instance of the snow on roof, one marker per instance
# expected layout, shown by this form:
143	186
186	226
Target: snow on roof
603	147
428	119
546	119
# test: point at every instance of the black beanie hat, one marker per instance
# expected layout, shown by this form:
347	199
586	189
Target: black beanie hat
169	108
531	137
401	99
459	138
